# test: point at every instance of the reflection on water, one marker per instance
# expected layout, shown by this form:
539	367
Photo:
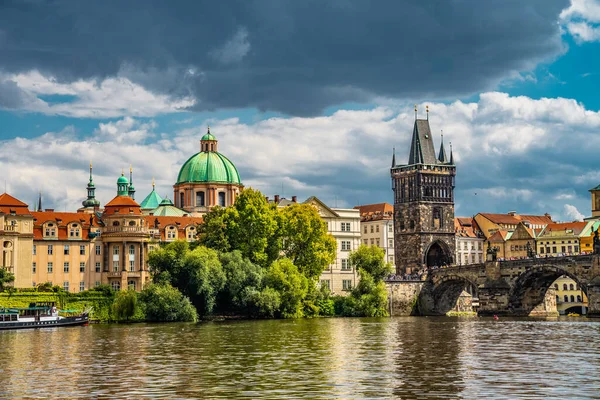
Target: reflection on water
321	358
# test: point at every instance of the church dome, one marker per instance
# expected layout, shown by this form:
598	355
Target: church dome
122	180
208	136
208	166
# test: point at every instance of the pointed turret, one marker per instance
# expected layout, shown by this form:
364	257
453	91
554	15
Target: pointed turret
421	147
394	158
151	201
131	189
442	155
451	155
91	193
40	202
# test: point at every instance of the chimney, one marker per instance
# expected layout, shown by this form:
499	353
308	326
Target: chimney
276	198
49	210
294	198
512	213
547	216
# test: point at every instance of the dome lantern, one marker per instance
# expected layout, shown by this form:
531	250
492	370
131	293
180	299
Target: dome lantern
208	143
122	185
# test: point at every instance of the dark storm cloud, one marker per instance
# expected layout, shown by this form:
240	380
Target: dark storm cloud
295	57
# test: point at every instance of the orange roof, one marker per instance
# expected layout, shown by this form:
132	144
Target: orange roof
498	236
466	227
163	221
371	212
9	204
507	219
122	205
576	227
63	220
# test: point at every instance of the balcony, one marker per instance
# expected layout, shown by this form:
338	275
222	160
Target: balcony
125	229
10	228
113	274
8	268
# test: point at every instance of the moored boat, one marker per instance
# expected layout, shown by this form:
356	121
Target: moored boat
37	315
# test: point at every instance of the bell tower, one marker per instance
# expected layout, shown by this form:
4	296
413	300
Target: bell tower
423	203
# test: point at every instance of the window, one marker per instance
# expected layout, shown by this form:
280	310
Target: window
97	283
115	266
372	241
345	265
116	285
181	198
572	299
34	249
74	231
562	249
366	241
98	267
171	232
576	249
565	286
82	267
378	242
66	251
566	298
82	250
365	231
345	226
199	199
390	228
346	284
578	298
554	249
390	243
33	268
571	287
50	249
132	250
191	233
50	267
66	286
377	228
81	286
346	245
116	250
131	285
325	284
115	223
371	228
541	250
131	265
50	230
222	199
98	249
66	266
556	286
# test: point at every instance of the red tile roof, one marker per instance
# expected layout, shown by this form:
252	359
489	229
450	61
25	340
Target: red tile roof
180	222
498	236
466	227
122	205
507	219
576	227
373	212
9	204
63	221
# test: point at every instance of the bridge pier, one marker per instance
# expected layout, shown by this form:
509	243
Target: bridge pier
593	295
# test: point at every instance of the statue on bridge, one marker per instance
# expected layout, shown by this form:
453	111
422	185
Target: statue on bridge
491	252
530	250
596	242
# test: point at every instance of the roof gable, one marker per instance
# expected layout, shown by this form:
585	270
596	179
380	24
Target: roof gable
9	204
322	208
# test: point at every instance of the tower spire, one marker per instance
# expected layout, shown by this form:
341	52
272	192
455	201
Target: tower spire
131	189
416	112
451	155
427	111
394	158
40	202
442	155
91	192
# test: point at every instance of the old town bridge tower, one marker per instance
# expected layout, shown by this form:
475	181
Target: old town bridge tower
423	204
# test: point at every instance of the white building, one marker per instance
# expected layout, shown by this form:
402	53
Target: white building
377	227
469	242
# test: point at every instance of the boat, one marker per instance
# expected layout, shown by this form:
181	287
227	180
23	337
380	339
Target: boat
40	315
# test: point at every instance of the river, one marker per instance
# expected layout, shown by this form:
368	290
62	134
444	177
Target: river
412	357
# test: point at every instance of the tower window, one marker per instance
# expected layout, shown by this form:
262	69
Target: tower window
437	218
200	199
222	199
181	198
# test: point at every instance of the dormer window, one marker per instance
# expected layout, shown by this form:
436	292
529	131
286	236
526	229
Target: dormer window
75	231
50	230
171	232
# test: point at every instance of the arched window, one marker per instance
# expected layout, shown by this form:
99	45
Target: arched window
115	223
556	286
566	298
131	285
131	223
571	287
116	285
578	298
572	299
565	287
181	198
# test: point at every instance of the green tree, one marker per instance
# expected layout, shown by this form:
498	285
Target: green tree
201	278
261	303
291	284
212	232
164	303
305	239
5	278
125	304
167	263
241	274
252	227
370	260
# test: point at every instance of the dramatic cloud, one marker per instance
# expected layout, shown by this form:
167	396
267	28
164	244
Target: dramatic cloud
512	153
296	57
582	20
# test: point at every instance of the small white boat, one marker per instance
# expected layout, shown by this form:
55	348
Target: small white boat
39	315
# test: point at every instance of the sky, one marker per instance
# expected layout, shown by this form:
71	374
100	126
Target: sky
305	97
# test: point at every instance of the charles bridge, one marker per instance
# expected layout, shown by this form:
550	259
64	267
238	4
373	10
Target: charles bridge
515	287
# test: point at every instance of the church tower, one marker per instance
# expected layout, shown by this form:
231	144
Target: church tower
423	204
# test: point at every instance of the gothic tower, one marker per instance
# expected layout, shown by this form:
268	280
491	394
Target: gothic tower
423	204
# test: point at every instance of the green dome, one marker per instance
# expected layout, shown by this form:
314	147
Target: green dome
208	167
208	136
122	180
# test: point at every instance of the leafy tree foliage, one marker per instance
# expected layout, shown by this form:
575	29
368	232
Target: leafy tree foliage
212	232
204	275
370	260
164	303
305	240
5	278
241	274
125	304
291	284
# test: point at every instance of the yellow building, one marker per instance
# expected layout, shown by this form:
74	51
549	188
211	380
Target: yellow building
16	238
565	238
569	297
491	223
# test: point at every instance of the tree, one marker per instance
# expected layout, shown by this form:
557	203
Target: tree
5	278
370	260
125	304
212	232
164	303
290	283
203	275
252	227
305	239
241	274
167	263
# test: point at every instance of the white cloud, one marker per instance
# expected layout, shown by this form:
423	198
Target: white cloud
109	98
514	152
572	213
582	20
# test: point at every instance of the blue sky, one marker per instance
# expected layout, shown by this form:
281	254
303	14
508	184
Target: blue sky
306	98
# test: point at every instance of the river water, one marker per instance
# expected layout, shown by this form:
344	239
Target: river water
412	357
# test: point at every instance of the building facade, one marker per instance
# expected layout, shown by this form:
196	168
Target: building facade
423	204
377	227
469	242
206	179
16	239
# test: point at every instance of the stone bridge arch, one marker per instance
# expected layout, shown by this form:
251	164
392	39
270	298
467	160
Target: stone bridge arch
443	291
437	253
529	288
